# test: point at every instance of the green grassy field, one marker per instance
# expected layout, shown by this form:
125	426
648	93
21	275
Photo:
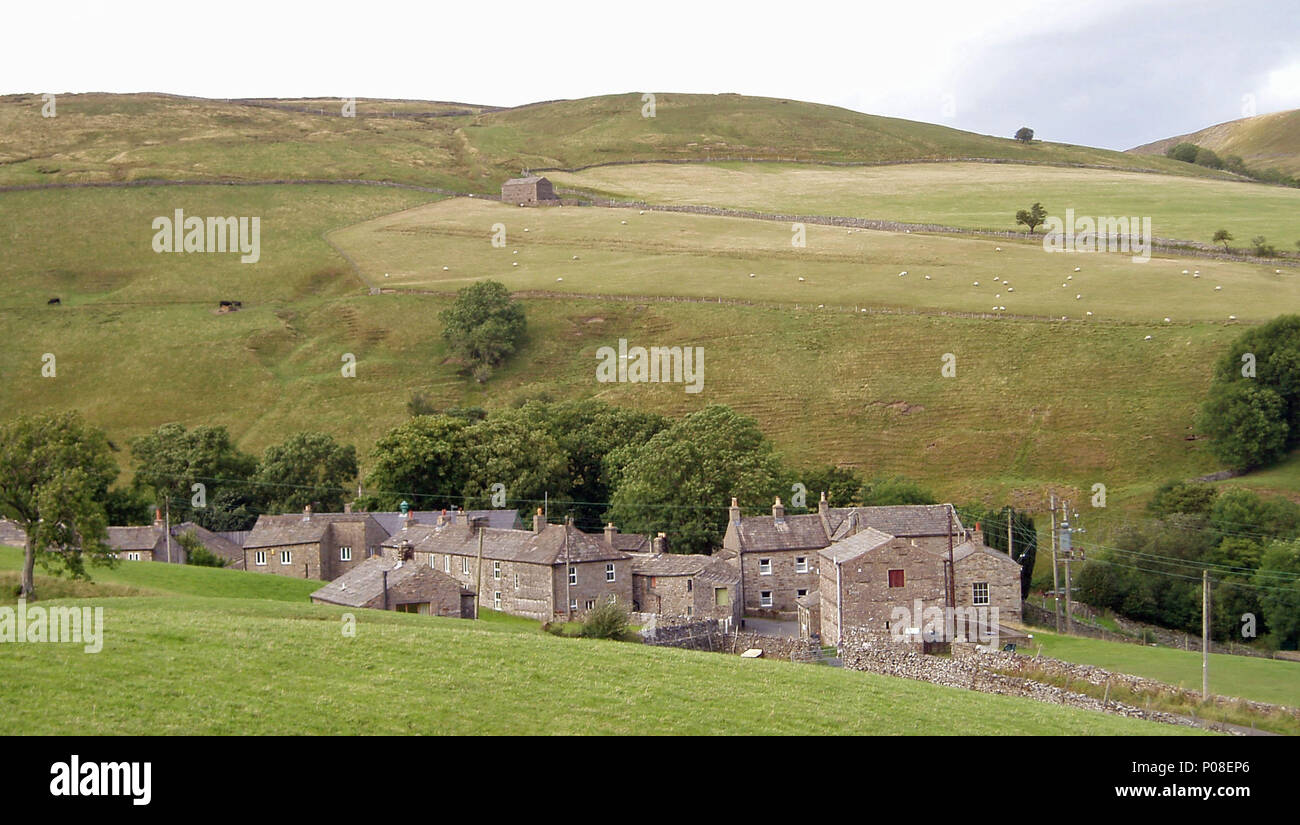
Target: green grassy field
625	252
1266	141
1264	680
192	665
966	195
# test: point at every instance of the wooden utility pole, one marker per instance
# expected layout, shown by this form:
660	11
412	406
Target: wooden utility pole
1056	584
1010	549
478	588
167	526
1067	550
1205	635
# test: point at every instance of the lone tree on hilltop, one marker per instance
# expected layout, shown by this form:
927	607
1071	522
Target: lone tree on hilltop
1032	217
1223	236
484	326
1024	134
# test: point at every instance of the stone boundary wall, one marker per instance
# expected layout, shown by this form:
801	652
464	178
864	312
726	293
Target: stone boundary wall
127	184
712	635
874	654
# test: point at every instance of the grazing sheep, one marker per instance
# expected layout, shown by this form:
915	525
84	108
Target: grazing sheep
1184	271
1088	313
977	283
1011	289
446	269
559	279
1148	338
1076	269
1217	288
801	277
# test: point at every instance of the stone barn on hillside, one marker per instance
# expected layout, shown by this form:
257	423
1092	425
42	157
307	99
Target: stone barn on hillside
528	191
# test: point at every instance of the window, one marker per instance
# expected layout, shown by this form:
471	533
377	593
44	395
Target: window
516	581
721	597
764	567
286	557
446	564
573	575
496	600
345	554
801	564
132	556
573	604
591	604
896	578
801	592
981	593
765	598
609	572
690	585
690	611
464	565
496	571
259	557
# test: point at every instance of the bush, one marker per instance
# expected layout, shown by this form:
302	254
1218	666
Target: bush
608	620
1186	152
1263	248
196	554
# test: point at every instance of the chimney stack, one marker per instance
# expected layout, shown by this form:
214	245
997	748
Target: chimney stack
539	521
568	521
306	513
157	517
824	506
610	532
347	507
778	510
660	544
734	511
406	552
977	535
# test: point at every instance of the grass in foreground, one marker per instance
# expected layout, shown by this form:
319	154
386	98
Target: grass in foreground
240	666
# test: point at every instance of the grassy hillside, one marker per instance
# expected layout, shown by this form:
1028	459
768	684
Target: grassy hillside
621	252
99	137
1264	680
192	665
1265	141
967	195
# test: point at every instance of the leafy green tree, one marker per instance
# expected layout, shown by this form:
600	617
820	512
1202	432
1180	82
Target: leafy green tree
1247	425
1222	236
843	486
307	468
1274	349
171	460
1024	134
1032	217
1279	600
1238	511
484	326
511	449
1207	157
54	475
127	506
1182	497
196	554
882	492
1186	152
423	457
681	480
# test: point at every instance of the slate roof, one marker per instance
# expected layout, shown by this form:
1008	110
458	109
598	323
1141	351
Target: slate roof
529	179
365	582
555	544
218	544
904	520
295	528
855	545
134	538
669	564
804	532
969	547
632	542
12	534
500	519
720	572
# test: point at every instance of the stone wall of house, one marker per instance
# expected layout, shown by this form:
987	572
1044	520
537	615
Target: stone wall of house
304	561
441	592
1002	576
526	589
869	601
784	582
364	537
592	586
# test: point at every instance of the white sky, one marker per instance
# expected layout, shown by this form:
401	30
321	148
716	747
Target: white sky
1112	73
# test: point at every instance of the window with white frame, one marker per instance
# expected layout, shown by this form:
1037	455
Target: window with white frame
981	593
446	563
573	604
433	560
516	581
286	557
464	565
496	600
764	567
132	556
609	572
259	557
591	604
496	569
801	592
573	575
765	598
345	554
801	564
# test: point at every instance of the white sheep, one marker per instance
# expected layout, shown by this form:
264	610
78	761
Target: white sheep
446	269
1218	288
1148	338
1076	269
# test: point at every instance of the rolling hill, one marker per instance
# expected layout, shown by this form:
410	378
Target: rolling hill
1264	141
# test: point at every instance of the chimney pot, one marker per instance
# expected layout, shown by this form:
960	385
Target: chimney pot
610	532
823	506
539	521
778	511
734	511
306	513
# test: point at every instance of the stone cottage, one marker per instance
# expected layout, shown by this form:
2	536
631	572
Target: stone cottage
553	571
398	583
149	543
529	191
682	586
312	545
778	554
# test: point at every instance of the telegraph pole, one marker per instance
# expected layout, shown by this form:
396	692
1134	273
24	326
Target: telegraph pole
478	573
1067	552
1205	635
1056	584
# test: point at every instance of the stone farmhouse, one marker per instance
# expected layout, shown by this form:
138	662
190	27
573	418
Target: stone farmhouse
312	545
690	587
396	582
778	554
553	571
868	576
530	191
149	543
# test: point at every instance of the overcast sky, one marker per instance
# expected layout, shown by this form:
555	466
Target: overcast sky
1111	73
